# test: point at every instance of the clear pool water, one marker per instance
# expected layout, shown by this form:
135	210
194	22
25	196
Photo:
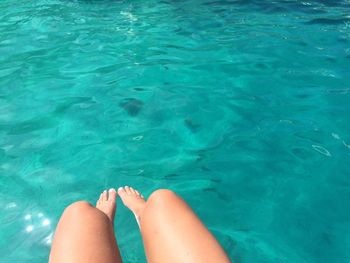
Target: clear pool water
242	107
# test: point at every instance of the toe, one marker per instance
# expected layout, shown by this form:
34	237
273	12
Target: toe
137	192
121	192
112	195
132	190
104	196
128	190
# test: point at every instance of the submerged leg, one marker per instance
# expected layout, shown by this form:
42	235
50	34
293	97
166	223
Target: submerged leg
171	231
85	233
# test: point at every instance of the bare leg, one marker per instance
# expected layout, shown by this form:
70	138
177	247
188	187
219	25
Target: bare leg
85	233
171	231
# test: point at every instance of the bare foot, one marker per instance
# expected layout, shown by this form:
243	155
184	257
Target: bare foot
107	203
133	200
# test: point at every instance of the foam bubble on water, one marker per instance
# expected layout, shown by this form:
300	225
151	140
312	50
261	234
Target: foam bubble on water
321	150
137	138
29	228
40	215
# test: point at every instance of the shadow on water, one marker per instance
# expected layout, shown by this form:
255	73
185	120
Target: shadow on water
131	106
328	21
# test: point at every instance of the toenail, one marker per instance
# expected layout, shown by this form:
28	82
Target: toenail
111	190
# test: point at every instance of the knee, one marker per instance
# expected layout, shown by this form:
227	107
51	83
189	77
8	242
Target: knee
77	208
162	196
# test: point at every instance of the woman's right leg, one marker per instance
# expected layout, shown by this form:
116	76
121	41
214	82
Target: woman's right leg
85	233
171	231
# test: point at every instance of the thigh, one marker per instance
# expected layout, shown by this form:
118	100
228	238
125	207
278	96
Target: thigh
173	233
84	234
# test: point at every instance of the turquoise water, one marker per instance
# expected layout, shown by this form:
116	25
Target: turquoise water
242	107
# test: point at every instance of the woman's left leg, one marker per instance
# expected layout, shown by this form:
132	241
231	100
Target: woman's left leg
86	234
